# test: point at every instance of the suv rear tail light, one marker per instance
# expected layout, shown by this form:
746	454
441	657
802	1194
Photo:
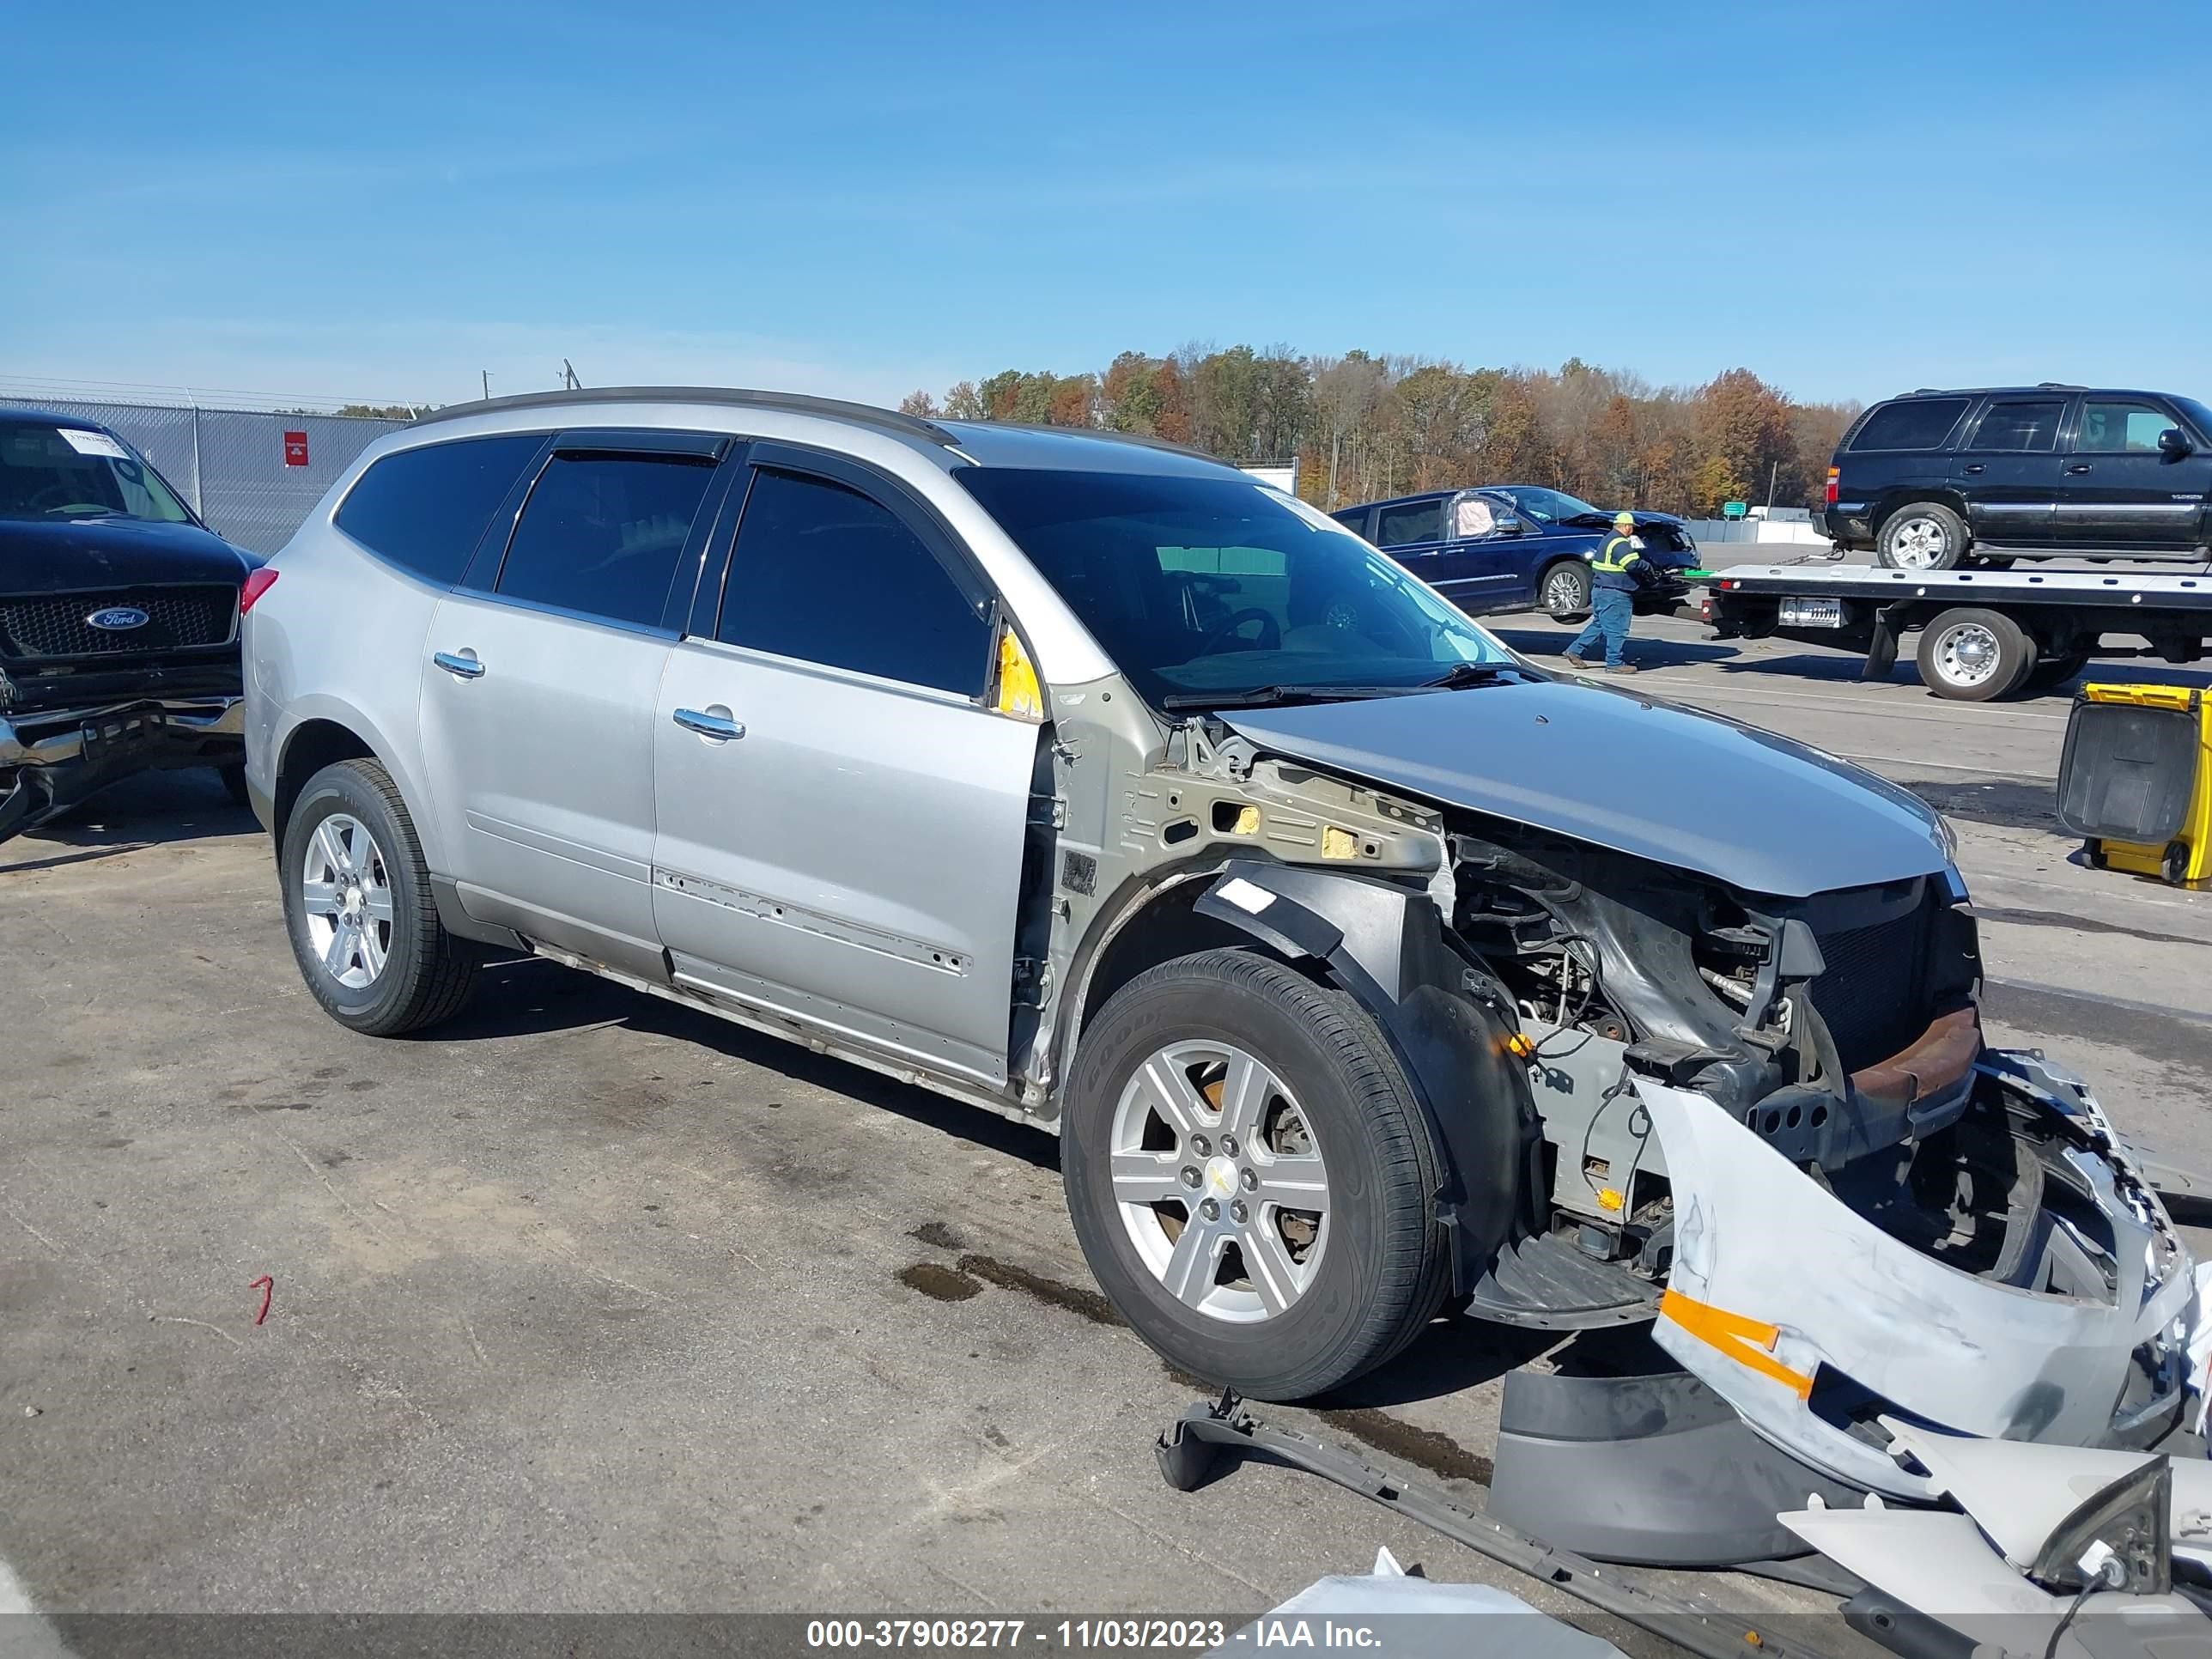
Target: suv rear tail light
257	583
1833	473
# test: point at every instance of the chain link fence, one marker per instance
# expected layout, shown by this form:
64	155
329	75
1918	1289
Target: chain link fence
253	474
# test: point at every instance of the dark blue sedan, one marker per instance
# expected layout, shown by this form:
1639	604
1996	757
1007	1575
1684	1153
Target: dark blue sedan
1512	547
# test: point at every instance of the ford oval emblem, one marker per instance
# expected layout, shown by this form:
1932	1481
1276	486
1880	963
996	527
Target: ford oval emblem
118	618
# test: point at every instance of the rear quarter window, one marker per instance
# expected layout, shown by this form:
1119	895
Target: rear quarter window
424	509
1912	423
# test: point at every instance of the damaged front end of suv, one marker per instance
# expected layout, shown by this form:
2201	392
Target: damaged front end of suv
1750	1097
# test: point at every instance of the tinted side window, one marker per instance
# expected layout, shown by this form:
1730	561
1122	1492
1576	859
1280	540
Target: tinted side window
2115	426
824	574
2021	426
1912	423
1355	521
1416	521
423	509
602	533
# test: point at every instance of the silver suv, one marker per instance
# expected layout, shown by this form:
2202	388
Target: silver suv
1357	962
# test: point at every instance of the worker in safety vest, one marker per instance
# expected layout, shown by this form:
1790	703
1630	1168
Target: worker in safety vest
1618	569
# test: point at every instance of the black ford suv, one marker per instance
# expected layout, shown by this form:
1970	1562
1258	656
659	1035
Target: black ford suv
1935	479
118	622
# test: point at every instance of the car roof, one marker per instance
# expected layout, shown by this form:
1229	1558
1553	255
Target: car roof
2062	387
31	417
983	443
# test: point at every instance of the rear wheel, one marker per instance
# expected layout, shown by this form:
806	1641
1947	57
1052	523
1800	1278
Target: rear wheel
1923	536
1250	1177
2052	672
357	904
1972	655
1565	589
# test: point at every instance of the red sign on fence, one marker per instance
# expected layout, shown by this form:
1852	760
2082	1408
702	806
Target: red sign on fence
296	449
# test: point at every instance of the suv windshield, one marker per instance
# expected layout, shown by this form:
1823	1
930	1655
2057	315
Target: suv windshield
50	471
1552	506
1218	589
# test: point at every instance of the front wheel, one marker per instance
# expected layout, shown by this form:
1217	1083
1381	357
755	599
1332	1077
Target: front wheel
357	904
1250	1177
1565	589
1925	535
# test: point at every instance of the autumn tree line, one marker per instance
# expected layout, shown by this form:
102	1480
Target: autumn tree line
1364	427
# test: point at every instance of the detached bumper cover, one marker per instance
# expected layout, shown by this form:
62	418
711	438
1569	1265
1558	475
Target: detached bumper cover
1776	1281
49	759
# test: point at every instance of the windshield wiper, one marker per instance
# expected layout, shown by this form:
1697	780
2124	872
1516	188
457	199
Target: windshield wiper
1254	696
1467	673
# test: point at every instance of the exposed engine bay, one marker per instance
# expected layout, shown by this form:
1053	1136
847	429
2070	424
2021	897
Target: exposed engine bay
1775	1114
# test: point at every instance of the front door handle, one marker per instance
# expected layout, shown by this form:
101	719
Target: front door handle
463	665
1975	467
2078	466
721	728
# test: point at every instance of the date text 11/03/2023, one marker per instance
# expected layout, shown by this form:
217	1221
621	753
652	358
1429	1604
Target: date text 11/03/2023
1163	1635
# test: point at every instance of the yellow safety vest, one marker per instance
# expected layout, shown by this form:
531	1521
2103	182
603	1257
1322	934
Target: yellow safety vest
1603	559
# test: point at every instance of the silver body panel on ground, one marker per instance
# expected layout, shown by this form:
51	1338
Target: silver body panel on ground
1755	1239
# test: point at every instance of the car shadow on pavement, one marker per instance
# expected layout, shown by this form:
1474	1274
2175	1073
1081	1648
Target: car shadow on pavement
528	996
150	810
1452	1354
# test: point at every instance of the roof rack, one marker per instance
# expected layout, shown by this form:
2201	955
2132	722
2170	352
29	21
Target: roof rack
2058	386
794	403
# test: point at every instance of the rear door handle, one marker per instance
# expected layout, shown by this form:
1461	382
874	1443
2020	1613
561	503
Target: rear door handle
462	667
2078	466
1975	467
720	727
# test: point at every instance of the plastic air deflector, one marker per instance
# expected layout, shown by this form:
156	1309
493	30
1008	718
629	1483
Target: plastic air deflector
1544	1284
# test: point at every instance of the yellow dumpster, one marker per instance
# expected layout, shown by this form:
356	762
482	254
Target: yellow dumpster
2136	779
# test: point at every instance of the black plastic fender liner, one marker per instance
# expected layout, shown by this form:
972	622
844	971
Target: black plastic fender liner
1386	946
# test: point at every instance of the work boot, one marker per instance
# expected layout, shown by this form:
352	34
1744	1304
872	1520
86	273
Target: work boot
1573	661
1620	668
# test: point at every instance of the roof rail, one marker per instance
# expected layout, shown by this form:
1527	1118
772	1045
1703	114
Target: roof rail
2058	386
793	402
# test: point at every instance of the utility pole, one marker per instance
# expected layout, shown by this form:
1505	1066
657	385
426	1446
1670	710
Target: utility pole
487	383
1771	473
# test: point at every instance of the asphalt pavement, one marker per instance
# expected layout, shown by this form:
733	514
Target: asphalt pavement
589	1303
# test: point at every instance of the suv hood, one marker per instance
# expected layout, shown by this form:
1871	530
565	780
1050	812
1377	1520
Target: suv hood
62	555
1759	812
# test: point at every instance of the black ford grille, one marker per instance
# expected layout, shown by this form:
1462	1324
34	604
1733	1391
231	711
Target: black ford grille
1873	996
58	625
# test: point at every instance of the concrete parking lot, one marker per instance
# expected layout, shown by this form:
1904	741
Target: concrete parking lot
592	1302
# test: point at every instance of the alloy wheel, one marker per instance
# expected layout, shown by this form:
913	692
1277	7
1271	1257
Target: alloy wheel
1219	1182
345	893
1919	543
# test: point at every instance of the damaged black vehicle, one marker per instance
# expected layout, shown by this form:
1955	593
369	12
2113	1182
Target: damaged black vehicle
118	622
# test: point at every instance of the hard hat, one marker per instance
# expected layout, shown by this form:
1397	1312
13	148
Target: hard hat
1624	516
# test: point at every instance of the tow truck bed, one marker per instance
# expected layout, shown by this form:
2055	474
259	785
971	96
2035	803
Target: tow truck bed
1984	633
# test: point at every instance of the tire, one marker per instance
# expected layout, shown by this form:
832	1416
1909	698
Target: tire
1563	589
1972	655
2055	671
1922	536
1374	1267
399	969
234	782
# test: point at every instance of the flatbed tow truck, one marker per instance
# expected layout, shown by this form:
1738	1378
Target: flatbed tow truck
1985	634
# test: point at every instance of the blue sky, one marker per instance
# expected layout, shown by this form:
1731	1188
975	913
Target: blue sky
379	201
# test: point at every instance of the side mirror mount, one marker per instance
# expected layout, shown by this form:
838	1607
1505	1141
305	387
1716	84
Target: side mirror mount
2173	444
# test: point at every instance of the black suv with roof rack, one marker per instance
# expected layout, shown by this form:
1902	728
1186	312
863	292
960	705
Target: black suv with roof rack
1935	479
